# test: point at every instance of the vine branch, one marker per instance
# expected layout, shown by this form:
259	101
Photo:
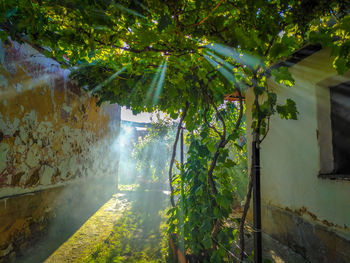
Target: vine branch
174	154
212	166
243	218
212	11
211	126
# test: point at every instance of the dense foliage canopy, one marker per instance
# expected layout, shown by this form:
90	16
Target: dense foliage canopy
121	47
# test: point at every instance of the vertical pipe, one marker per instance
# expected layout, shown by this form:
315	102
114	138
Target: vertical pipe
256	202
181	218
182	146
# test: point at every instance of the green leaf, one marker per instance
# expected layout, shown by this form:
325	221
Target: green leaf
279	50
211	147
282	75
199	190
288	111
3	35
322	37
234	232
340	65
207	242
163	22
229	163
215	257
11	12
272	98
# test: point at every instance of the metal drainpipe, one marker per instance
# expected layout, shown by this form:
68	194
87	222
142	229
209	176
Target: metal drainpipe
182	146
256	201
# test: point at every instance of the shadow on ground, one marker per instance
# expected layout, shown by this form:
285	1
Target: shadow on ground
67	220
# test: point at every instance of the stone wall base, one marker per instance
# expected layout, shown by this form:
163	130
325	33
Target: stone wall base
311	239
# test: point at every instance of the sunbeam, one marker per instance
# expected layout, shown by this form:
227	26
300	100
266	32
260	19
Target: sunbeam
225	68
218	59
160	84
98	87
241	58
154	82
142	6
128	10
228	75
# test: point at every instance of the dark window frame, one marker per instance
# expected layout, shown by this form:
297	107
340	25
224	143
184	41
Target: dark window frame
340	127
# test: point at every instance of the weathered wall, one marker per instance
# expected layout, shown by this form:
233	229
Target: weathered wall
52	134
291	161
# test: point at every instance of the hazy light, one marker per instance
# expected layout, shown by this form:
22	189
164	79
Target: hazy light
153	84
227	51
228	75
143	6
123	138
128	10
99	86
160	84
128	129
223	62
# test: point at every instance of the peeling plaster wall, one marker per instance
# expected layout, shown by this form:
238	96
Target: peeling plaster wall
52	133
291	160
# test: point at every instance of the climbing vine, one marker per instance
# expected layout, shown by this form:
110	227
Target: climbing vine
185	56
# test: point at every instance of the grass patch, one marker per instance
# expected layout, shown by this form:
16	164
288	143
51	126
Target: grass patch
139	235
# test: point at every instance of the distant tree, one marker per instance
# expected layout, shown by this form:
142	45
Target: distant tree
152	152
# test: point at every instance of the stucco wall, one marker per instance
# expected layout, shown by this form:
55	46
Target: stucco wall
52	134
290	154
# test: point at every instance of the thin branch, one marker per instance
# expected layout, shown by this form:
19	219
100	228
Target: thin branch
243	218
212	11
152	49
283	25
144	49
267	130
174	154
220	116
223	143
269	46
211	126
212	166
238	123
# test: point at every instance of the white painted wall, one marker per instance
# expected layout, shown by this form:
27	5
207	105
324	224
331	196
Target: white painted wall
290	161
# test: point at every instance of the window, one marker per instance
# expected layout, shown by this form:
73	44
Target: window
334	134
340	123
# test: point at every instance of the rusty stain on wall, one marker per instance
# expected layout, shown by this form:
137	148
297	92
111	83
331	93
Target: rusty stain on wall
313	239
304	211
51	131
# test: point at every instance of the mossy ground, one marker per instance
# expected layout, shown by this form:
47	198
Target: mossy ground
130	227
139	234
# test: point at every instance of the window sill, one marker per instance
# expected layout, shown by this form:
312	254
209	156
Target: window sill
334	176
